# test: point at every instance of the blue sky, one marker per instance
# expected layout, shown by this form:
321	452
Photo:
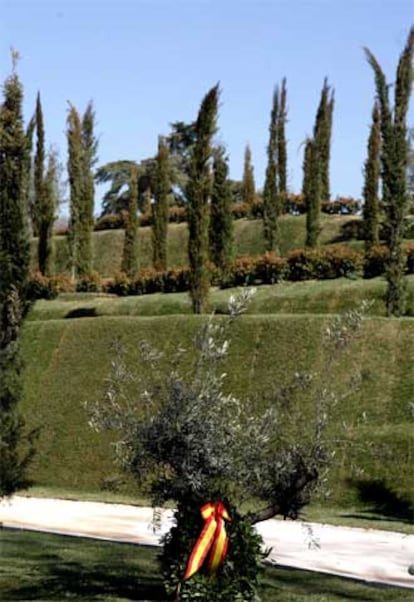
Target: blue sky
146	63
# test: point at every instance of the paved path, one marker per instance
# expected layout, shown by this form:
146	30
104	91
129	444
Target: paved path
368	554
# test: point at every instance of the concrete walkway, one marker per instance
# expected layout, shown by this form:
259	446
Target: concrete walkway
367	554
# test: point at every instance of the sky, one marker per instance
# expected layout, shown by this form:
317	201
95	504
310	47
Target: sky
147	63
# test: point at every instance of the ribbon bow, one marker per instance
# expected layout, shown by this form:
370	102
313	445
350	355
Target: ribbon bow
213	539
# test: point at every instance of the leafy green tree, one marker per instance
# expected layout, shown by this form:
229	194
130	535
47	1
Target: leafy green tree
281	144
312	192
394	163
160	208
248	187
271	197
130	251
16	446
198	198
190	441
221	219
371	184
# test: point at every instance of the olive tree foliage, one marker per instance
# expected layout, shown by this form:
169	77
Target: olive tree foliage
185	437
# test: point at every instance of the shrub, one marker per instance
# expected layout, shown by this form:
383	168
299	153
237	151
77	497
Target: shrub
409	250
146	282
374	261
323	263
63	283
270	269
120	285
240	210
40	287
109	222
240	272
89	283
176	280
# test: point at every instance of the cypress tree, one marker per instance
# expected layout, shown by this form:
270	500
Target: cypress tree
322	133
15	445
28	173
74	136
198	198
371	184
130	251
312	192
160	207
82	148
281	145
221	219
394	161
248	188
270	191
39	171
86	207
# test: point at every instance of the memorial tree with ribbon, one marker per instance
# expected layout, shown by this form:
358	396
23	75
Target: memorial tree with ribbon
188	440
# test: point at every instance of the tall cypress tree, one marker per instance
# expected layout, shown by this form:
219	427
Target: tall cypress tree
322	133
371	183
74	136
160	207
86	207
271	189
282	146
82	148
39	170
15	446
221	219
394	160
130	251
198	198
312	192
248	188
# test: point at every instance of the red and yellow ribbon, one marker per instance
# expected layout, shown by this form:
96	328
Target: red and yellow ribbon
213	538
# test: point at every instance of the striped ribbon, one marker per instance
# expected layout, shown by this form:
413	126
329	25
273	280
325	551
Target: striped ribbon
212	540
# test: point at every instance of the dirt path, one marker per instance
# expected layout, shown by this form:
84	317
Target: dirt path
368	554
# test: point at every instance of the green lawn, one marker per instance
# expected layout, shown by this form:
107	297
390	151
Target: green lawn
44	567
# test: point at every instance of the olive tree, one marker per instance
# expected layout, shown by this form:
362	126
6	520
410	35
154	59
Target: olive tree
189	440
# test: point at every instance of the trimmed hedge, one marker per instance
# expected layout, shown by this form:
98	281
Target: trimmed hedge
321	263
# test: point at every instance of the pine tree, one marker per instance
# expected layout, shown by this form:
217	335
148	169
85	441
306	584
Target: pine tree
130	251
160	207
221	219
271	198
394	161
198	195
282	146
371	184
248	189
312	192
15	445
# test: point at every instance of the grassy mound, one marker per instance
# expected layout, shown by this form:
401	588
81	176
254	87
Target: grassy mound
248	240
67	361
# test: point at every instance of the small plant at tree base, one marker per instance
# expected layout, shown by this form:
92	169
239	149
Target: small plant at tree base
188	440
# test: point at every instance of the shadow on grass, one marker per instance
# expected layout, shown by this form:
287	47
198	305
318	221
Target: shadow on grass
287	583
59	567
384	501
82	312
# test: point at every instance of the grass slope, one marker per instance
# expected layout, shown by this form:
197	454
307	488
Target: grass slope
50	567
248	240
67	361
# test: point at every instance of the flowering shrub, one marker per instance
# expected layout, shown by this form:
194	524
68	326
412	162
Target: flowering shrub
374	261
323	263
270	268
89	283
